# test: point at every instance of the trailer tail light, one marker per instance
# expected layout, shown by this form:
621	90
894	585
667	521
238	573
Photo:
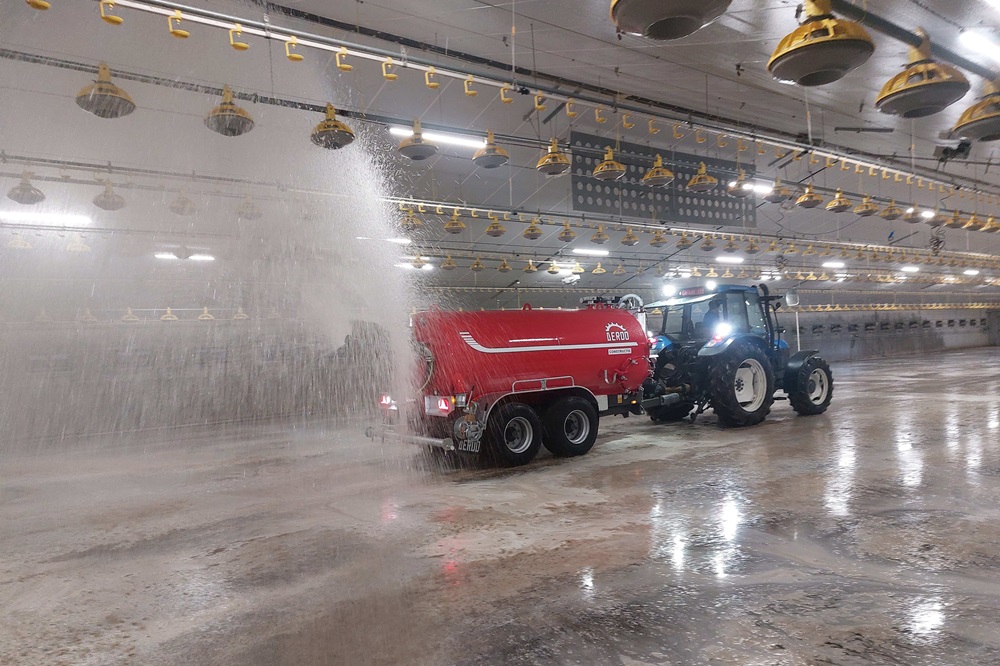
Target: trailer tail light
439	405
385	401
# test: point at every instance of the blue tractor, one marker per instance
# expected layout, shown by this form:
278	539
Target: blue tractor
721	347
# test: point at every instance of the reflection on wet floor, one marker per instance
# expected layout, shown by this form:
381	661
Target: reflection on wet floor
867	535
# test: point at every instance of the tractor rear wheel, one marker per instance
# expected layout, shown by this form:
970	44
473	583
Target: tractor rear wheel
741	385
813	387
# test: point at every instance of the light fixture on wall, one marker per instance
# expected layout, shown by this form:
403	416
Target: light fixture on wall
823	49
554	162
332	134
103	98
109	200
25	193
702	181
415	146
809	199
227	118
658	175
660	20
839	203
609	169
981	121
491	155
924	88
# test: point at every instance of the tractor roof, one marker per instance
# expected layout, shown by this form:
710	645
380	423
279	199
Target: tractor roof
699	294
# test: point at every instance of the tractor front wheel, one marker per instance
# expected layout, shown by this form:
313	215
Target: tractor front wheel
741	385
813	387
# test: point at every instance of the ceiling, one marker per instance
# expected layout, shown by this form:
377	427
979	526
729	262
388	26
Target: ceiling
308	197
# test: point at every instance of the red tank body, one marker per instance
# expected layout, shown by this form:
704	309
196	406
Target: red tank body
601	349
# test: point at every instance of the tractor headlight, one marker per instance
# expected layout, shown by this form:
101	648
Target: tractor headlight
723	330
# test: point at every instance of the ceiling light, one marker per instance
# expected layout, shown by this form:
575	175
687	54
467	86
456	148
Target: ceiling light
833	264
40	5
103	98
531	267
910	269
423	266
609	169
927	214
982	42
430	138
201	257
924	88
839	203
166	255
554	162
477	265
656	19
760	188
971	272
332	134
981	121
590	253
956	221
228	119
399	241
109	200
25	193
810	199
45	219
702	181
728	259
658	175
991	226
491	155
821	50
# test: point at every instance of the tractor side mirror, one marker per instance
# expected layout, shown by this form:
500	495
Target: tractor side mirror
792	298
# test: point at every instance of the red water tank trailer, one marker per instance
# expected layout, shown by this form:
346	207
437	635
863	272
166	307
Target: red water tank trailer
504	383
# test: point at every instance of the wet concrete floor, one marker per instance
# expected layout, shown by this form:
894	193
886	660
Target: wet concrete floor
868	535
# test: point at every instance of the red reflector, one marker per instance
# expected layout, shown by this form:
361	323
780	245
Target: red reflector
385	400
444	405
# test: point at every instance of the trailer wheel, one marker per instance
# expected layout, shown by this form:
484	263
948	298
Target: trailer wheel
570	427
741	385
813	388
514	435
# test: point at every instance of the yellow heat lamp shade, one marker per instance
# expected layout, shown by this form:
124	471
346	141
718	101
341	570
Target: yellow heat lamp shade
169	316
491	155
205	315
684	242
867	207
18	243
630	238
659	20
924	88
839	203
109	200
809	199
448	264
103	98
658	175
332	134
891	212
40	5
227	118
659	239
600	237
823	49
619	269
974	223
477	266
599	270
708	244
495	229
981	121
566	235
751	248
552	269
454	225
504	267
25	193
741	187
578	269
531	267
823	277
415	146
533	232
554	162
609	169
702	181
956	221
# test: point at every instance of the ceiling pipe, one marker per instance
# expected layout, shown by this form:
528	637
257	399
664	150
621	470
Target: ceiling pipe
899	33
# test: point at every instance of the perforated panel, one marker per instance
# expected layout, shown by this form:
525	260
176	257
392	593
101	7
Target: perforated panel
670	204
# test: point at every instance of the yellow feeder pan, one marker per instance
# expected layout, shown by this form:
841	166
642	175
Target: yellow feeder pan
411	222
531	267
491	155
448	264
415	146
227	118
183	206
169	316
600	237
566	235
658	175
656	19
975	223
454	225
741	187
731	246
129	317
577	268
109	200
533	232
821	50
685	241
205	315
659	239
495	229
619	270
810	199
504	267
240	315
913	215
708	245
991	226
477	266
956	221
609	169
935	220
630	238
554	162
702	181
25	193
839	203
552	269
981	121
103	98
891	212
778	194
751	248
599	270
248	211
332	134
866	208
924	88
